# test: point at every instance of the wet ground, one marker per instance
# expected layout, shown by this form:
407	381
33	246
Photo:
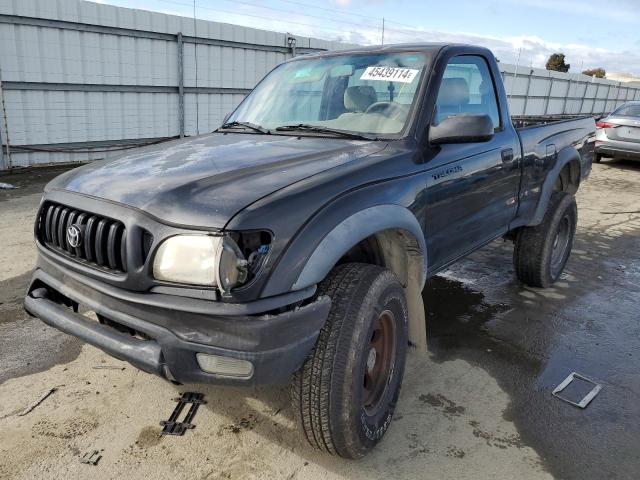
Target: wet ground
479	405
529	340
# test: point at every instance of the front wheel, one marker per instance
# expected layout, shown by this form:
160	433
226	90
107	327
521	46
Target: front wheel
541	252
346	392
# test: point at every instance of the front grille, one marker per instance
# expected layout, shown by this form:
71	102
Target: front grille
101	243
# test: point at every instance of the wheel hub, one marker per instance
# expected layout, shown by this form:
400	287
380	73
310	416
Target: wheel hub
371	359
380	362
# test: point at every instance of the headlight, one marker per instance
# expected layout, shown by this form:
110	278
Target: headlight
201	260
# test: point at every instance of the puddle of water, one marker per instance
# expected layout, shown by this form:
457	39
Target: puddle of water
456	315
529	345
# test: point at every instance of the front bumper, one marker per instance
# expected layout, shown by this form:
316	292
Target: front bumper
169	333
617	148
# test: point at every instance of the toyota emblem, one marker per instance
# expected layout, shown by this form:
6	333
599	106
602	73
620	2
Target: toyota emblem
74	236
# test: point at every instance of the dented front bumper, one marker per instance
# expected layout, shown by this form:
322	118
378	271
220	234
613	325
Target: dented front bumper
162	334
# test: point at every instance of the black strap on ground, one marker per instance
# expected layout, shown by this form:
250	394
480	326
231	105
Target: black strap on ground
173	426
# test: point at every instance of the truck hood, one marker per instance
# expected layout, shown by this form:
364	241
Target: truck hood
204	181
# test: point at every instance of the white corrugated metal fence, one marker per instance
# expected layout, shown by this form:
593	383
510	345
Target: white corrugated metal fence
82	78
535	91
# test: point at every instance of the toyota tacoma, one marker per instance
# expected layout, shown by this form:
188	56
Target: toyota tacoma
293	243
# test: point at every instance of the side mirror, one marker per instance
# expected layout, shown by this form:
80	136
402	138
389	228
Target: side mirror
466	128
226	117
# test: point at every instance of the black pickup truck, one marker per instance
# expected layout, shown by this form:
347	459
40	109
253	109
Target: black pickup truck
293	243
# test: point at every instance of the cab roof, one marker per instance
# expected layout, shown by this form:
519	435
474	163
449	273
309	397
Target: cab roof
430	47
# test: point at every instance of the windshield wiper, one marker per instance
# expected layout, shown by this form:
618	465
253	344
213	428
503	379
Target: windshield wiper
305	127
249	125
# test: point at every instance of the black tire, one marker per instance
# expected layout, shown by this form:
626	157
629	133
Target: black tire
597	158
328	392
541	252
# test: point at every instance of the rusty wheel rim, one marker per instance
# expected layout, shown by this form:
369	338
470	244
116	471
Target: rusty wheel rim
379	362
560	246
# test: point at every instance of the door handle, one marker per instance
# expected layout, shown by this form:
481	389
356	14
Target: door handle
507	155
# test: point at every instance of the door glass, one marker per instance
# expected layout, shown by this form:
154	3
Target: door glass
467	88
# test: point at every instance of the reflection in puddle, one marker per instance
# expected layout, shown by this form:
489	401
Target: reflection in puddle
455	314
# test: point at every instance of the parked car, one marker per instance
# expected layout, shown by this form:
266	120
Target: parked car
294	242
618	134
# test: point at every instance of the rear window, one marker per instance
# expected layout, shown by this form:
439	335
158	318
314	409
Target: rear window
628	111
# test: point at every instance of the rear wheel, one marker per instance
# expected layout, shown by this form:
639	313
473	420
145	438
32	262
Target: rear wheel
346	392
541	252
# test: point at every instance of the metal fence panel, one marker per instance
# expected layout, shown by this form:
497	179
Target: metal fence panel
77	73
534	91
81	77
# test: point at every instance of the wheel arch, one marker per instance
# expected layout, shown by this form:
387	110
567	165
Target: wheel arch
399	245
396	230
565	176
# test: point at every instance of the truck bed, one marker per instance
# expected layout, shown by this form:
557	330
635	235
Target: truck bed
524	121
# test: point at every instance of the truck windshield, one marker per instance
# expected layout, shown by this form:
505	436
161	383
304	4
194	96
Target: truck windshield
369	95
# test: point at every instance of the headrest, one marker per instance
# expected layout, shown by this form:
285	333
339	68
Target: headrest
485	88
359	98
453	92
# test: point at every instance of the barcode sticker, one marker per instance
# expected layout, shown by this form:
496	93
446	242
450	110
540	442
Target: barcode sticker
390	74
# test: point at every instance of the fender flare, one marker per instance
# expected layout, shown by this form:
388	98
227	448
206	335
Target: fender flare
565	156
354	229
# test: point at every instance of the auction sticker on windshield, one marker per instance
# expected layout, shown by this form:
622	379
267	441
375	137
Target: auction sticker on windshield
390	74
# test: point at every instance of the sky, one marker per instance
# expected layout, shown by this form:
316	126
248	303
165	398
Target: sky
591	33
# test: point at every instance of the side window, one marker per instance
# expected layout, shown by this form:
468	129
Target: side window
467	87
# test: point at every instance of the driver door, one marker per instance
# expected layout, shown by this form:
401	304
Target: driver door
471	187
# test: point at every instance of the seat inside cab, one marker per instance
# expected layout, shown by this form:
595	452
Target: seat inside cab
364	112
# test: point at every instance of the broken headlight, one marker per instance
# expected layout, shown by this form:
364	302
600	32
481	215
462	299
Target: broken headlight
212	261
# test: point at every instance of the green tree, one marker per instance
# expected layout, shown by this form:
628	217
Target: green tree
556	63
595	72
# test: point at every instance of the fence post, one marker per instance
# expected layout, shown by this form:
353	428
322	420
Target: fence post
606	101
291	43
546	104
5	160
615	100
180	84
586	87
564	104
619	92
526	95
3	165
595	96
